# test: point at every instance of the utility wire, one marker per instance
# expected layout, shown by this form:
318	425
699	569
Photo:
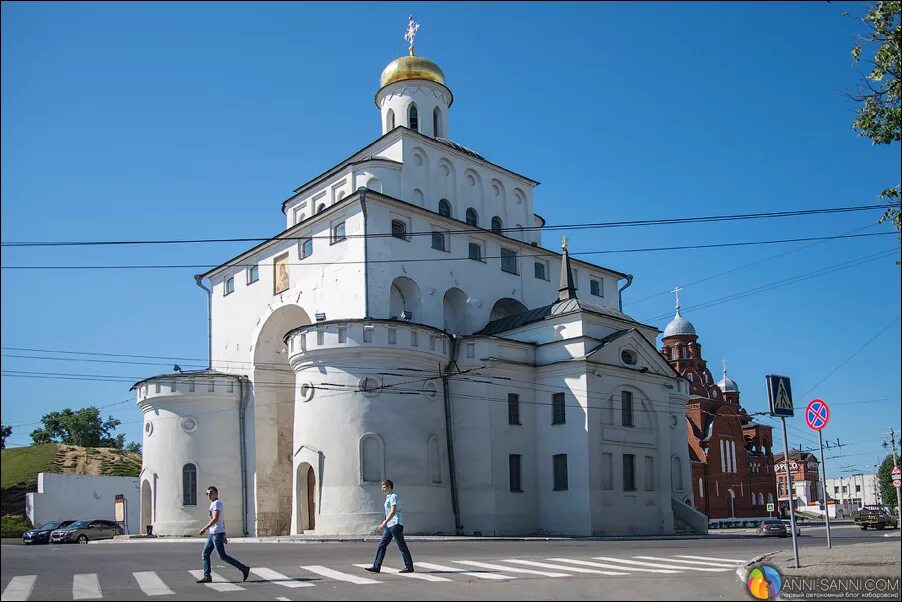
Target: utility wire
472	230
482	258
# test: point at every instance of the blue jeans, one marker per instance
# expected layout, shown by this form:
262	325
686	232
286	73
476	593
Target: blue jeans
216	540
396	532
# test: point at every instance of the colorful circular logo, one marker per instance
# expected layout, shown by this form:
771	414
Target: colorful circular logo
764	582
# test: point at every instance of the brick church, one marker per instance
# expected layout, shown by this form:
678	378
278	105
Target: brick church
731	456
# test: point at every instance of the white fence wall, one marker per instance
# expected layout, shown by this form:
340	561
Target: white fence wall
77	497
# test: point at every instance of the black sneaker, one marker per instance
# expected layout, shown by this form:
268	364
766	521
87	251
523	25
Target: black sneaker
371	569
245	573
406	569
205	580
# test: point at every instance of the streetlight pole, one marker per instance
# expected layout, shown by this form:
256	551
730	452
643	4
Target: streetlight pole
892	438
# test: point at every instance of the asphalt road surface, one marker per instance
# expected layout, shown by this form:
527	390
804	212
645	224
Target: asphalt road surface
663	569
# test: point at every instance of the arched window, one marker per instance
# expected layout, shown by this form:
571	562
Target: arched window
497	225
436	122
444	208
372	458
434	460
399	229
321	208
189	485
412	118
676	473
390	121
472	217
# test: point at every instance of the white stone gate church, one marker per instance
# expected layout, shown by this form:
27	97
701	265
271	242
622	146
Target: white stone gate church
407	324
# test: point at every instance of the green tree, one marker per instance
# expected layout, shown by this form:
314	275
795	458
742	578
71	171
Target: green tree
83	427
133	446
5	431
879	116
885	482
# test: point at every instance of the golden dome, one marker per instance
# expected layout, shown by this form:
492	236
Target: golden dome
411	67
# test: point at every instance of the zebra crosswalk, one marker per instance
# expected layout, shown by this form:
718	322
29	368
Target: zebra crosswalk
89	586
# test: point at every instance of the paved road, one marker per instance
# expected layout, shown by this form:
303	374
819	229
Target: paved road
481	570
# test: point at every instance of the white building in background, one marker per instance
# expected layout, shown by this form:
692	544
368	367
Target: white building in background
854	491
408	325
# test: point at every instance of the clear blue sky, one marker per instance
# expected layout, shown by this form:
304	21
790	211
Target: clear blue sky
165	120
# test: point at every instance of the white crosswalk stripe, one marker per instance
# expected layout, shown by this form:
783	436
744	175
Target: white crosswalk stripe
560	567
19	588
86	586
219	583
151	584
339	576
449	569
616	567
509	569
710	563
414	575
278	578
728	560
660	565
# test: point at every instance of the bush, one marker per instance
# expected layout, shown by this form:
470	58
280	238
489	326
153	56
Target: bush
14	525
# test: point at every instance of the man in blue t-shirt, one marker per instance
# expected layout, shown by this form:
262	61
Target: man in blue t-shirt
394	529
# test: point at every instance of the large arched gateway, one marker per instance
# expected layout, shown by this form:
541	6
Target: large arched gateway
270	417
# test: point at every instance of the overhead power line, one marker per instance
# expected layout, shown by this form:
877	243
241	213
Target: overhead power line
208	266
473	230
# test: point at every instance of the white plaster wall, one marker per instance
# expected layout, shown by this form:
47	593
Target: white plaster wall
83	497
213	448
438	172
427	96
483	282
328	281
330	422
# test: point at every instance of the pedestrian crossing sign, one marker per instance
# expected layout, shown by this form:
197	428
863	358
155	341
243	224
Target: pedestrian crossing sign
770	507
779	393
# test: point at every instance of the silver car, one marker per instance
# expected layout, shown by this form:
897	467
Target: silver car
84	531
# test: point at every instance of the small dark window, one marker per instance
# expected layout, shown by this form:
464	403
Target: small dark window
540	271
390	121
475	251
560	472
321	208
399	229
595	288
472	217
436	123
229	286
438	241
497	226
558	415
412	118
306	247
338	232
444	208
514	469
626	408
253	274
189	485
513	408
509	261
629	472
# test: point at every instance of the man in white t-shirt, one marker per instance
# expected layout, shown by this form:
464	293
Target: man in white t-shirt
393	526
216	539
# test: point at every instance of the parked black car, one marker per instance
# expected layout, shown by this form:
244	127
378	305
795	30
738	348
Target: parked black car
42	533
84	531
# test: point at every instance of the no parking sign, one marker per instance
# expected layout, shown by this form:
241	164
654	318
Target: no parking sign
817	414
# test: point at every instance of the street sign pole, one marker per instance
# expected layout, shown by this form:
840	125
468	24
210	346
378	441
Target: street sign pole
820	438
792	512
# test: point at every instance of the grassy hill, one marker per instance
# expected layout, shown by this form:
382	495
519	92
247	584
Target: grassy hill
22	465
